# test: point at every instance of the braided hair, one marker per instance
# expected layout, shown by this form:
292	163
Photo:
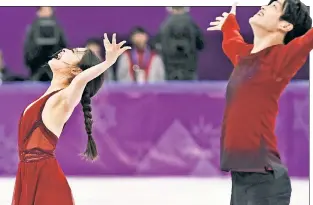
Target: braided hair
88	60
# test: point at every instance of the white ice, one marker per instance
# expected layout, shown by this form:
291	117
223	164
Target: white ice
154	191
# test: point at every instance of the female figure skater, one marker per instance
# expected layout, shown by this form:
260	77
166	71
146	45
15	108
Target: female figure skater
77	76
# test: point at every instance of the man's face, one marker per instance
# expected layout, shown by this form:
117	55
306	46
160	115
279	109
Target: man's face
45	12
268	18
140	40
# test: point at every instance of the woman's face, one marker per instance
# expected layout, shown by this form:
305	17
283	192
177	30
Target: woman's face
66	60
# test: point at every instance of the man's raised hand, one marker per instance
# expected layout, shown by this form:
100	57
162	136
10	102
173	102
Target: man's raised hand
219	21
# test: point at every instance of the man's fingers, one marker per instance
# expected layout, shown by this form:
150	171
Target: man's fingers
219	18
225	14
214	23
233	8
213	28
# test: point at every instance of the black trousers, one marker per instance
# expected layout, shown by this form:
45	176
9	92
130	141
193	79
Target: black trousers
251	188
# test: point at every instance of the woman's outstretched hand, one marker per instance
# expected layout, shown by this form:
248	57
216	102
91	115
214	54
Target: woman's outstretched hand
113	50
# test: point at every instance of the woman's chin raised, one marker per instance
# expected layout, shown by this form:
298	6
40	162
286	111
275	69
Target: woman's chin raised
52	62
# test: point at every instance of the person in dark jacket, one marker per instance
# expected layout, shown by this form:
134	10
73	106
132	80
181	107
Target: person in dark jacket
44	37
179	40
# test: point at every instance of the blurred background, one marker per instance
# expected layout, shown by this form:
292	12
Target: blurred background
157	119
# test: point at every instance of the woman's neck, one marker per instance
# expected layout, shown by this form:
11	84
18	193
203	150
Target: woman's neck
58	83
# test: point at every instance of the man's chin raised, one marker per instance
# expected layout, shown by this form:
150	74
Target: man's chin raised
252	20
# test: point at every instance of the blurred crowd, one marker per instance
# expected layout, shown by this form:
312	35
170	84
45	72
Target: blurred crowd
170	55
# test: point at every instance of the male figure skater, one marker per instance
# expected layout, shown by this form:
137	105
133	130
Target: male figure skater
283	39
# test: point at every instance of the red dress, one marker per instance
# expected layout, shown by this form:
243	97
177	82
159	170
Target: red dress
39	178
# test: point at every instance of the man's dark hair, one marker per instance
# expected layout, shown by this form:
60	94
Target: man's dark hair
178	8
298	14
38	8
136	30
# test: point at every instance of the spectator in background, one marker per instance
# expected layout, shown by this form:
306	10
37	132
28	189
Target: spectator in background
179	41
3	69
5	74
95	46
44	37
140	64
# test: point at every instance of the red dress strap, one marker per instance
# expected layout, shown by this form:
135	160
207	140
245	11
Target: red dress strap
41	104
44	101
37	141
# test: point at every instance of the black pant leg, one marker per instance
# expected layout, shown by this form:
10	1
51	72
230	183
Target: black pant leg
269	189
251	188
238	195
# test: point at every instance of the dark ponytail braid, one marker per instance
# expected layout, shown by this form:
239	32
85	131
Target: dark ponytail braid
91	152
88	60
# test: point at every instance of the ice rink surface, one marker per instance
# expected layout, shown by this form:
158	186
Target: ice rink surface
153	191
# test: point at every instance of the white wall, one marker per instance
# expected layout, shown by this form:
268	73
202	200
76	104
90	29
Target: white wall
153	191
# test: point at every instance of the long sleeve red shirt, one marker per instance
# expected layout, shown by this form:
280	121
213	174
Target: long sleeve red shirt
248	140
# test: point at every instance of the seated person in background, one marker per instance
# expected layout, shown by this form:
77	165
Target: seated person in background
140	64
44	37
95	46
